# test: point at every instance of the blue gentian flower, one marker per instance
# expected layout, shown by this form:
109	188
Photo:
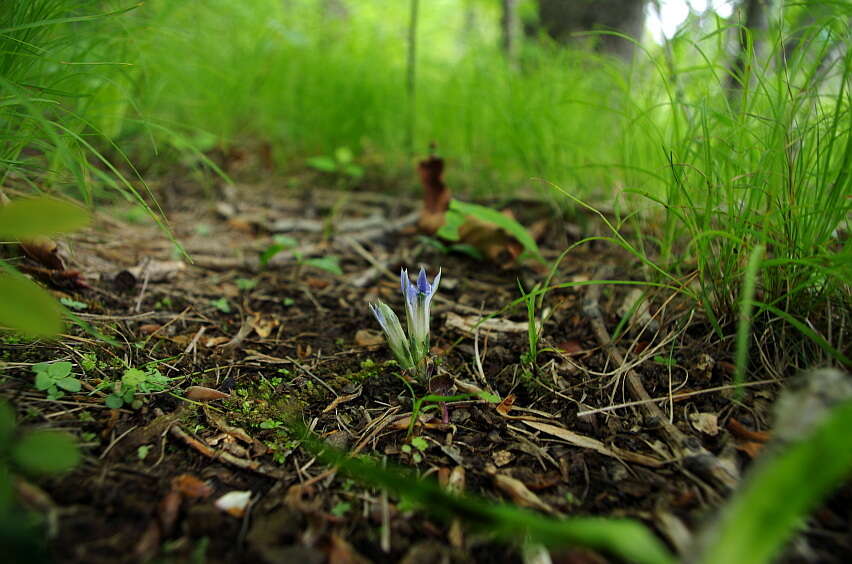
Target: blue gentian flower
411	351
418	297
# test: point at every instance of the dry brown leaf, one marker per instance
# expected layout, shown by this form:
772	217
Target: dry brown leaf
190	486
751	448
264	326
492	241
436	195
368	338
706	423
571	347
44	251
740	431
317	283
502	458
202	393
341	552
520	494
149	328
594	444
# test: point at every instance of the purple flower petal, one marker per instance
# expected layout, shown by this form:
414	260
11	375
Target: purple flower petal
379	316
422	282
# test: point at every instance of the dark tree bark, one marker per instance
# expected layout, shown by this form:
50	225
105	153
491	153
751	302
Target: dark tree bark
562	19
753	21
334	9
510	28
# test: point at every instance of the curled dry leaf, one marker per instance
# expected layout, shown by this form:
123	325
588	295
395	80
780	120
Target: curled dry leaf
192	487
571	347
502	458
436	195
505	406
492	241
43	251
216	341
741	432
264	326
706	423
202	393
520	494
149	328
234	503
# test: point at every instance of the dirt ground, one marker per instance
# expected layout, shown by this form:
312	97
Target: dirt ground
245	347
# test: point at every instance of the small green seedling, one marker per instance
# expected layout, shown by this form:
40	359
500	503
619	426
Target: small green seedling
142	452
53	377
329	263
135	381
665	360
419	443
246	284
461	248
221	304
73	304
340	164
531	355
270	424
341	509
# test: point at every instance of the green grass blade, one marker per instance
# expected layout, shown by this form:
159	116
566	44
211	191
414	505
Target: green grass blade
782	491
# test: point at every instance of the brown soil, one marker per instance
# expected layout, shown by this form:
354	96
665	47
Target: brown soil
294	344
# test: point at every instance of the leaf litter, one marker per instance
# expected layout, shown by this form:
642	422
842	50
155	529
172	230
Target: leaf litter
655	444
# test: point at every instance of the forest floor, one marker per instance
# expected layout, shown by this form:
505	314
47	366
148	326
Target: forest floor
225	351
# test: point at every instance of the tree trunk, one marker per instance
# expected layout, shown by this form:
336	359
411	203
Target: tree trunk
510	27
563	19
753	17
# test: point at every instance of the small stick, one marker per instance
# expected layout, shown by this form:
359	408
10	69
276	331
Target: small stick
226	457
311	374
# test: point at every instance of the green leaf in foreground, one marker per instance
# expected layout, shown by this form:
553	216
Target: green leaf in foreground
25	219
28	309
781	491
45	452
7	423
623	538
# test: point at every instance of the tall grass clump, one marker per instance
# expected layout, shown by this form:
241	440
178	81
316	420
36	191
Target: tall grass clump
767	164
47	76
